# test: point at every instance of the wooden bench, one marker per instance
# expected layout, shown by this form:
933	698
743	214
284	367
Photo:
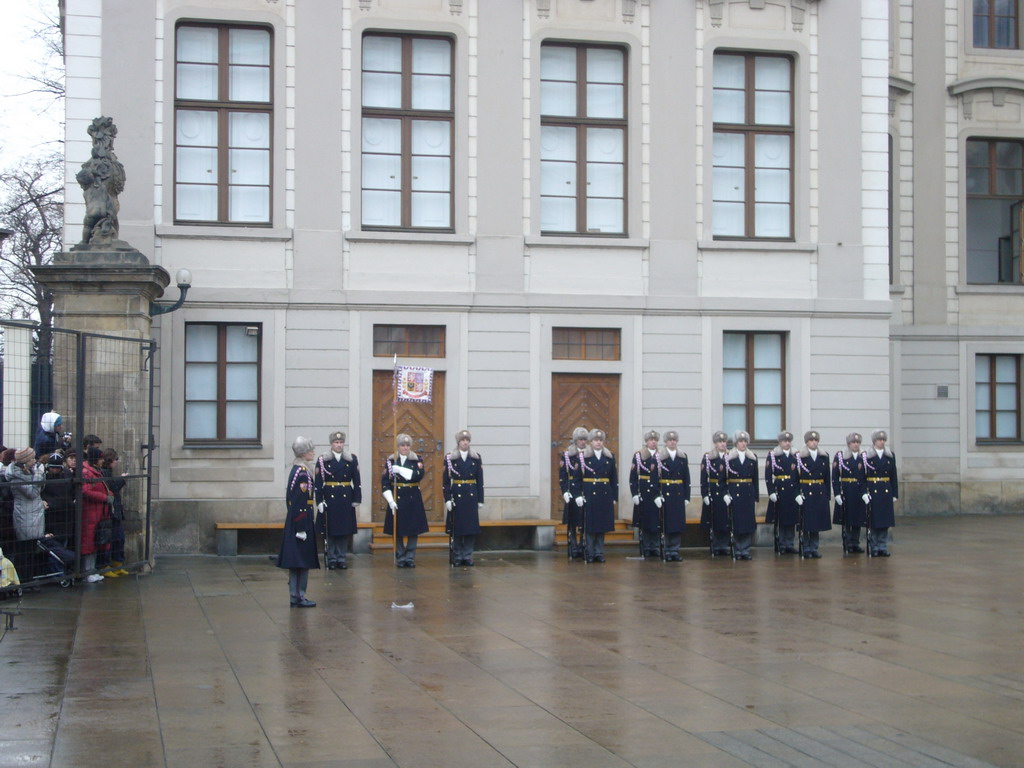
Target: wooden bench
227	535
542	539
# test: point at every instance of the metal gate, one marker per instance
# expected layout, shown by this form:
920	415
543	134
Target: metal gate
101	386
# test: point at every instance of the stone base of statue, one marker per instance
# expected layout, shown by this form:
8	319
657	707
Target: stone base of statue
104	289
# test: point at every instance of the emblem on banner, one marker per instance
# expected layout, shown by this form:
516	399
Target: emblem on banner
414	384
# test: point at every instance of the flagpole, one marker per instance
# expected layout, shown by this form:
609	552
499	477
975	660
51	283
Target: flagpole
394	434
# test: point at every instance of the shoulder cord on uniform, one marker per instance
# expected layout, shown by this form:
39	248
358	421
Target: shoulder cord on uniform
448	461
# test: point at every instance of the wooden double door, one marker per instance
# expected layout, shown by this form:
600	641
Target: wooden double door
588	400
424	422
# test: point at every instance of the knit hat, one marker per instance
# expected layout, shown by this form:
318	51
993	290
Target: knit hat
23	455
56	459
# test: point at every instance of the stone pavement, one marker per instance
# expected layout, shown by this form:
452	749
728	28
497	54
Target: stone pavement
529	660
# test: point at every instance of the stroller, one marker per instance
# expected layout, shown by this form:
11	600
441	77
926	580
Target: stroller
58	561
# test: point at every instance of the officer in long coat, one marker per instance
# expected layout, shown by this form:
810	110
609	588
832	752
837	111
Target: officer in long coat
674	479
884	489
645	487
850	492
815	493
715	513
400	486
298	541
743	491
783	485
570	482
600	492
463	496
338	492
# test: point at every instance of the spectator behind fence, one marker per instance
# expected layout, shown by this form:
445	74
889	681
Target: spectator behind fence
29	508
94	509
115	558
59	495
48	437
6	502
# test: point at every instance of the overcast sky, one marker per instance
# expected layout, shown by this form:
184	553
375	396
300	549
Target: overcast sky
29	124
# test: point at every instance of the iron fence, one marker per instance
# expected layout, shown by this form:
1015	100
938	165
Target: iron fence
101	386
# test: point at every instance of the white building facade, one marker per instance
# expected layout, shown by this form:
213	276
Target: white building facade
625	214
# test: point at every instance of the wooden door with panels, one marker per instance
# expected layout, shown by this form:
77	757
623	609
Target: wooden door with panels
588	400
424	422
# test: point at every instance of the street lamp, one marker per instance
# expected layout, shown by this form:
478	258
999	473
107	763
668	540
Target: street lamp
184	280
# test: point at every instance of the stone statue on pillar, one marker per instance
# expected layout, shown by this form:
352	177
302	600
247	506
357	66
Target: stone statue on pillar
102	180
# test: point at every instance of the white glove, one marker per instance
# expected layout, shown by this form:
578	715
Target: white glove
800	500
355	503
773	497
448	505
320	507
567	496
579	501
839	499
389	497
659	501
727	499
403	472
636	500
707	501
685	502
301	535
867	498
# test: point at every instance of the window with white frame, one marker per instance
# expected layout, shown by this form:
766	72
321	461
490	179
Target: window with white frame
222	382
997	398
752	146
582	139
223	115
754	384
408	123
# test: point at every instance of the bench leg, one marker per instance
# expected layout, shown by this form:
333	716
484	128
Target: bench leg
544	538
227	543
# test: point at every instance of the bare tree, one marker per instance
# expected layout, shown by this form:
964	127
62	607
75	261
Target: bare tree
32	208
47	78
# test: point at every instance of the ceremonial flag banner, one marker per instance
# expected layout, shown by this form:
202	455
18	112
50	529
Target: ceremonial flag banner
413	384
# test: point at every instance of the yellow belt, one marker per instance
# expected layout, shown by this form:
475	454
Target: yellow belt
672	482
781	477
740	480
407	485
595	479
333	483
311	503
644	477
463	482
812	482
848	479
879	479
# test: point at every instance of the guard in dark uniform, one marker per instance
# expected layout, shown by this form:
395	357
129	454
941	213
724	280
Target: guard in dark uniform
463	496
674	477
815	493
645	488
715	512
571	484
400	485
600	492
849	489
298	540
743	491
883	490
783	485
338	492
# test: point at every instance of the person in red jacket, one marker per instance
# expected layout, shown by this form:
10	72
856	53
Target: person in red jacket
95	507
